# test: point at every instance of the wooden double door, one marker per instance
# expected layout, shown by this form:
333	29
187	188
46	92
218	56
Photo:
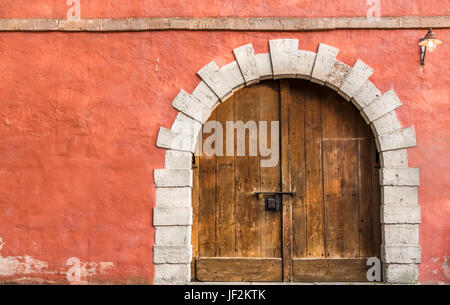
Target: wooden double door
326	229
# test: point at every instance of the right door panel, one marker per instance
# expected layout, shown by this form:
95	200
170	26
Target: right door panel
334	172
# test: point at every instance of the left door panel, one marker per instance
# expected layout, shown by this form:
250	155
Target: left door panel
235	237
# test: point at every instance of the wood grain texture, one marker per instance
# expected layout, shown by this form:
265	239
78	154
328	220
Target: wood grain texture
207	203
327	157
225	190
297	167
285	97
330	270
349	180
314	183
331	183
270	176
376	198
366	241
247	180
195	204
238	269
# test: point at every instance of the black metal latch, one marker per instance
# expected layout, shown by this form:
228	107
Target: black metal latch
273	203
273	200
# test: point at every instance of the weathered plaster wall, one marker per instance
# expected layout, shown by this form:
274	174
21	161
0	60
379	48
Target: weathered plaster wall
79	115
210	8
79	118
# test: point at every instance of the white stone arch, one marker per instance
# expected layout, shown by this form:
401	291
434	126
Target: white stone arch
400	211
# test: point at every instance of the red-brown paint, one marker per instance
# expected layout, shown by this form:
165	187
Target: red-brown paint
79	115
214	8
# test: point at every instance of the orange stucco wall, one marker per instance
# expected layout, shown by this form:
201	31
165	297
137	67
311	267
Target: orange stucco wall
213	8
79	115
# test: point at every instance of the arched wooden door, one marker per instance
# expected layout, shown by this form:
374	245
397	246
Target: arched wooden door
326	229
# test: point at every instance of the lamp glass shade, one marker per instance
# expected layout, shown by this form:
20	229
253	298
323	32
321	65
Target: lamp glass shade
430	44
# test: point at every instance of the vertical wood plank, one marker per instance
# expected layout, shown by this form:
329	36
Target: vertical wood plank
314	185
376	199
247	181
270	176
327	157
349	181
286	182
207	195
297	165
333	222
225	191
195	206
364	188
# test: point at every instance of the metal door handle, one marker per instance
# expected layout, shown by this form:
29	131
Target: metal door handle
273	193
272	200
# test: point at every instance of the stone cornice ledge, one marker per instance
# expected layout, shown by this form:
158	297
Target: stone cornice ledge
222	24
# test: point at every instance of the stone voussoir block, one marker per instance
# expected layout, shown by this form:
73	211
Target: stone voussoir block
245	56
173	140
398	139
173	197
400	214
400	254
264	66
401	273
337	75
305	64
215	80
206	96
385	124
386	103
394	158
179	216
399	195
355	79
284	56
173	235
324	62
233	75
184	124
190	106
365	95
400	176
400	234
172	254
172	274
177	159
173	177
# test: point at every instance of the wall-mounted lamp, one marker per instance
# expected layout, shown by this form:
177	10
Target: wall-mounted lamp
429	42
